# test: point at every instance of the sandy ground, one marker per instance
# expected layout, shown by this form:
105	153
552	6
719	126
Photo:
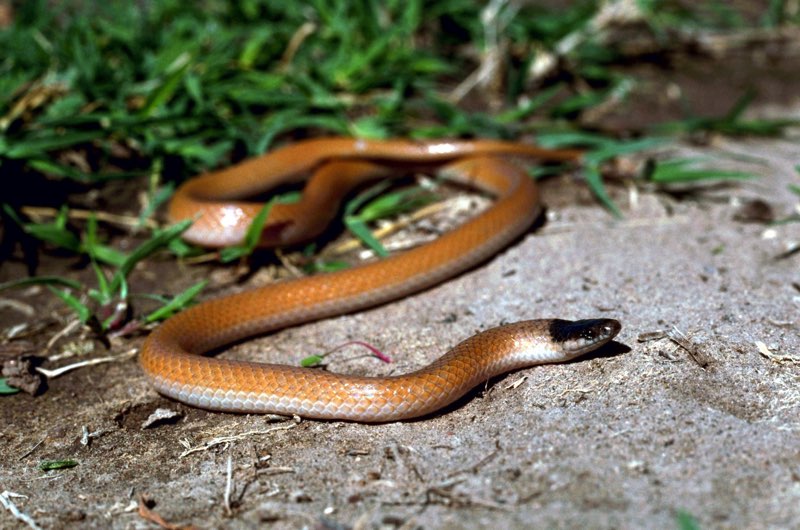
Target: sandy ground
629	438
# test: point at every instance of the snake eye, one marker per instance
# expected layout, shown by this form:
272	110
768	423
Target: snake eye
581	336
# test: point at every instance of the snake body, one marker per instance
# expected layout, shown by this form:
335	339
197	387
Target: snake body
172	355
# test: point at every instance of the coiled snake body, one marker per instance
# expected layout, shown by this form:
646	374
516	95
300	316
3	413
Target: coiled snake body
172	354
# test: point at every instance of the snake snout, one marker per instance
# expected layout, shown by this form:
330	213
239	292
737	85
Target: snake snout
577	337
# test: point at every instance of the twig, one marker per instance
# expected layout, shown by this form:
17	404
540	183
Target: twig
611	14
8	504
229	486
65	331
147	513
302	33
380	233
294	271
516	383
445	491
780	359
482	462
206	257
227	439
694	352
32	449
129	221
647	336
494	18
21	307
50	374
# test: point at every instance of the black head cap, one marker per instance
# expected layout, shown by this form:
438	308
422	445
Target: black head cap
581	336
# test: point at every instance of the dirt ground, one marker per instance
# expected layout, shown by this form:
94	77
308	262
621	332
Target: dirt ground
701	419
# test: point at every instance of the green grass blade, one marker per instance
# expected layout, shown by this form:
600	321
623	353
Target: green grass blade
311	361
595	182
530	106
167	88
50	167
156	199
103	288
160	240
54	465
251	238
109	255
357	225
91	244
178	303
606	151
395	203
54	233
681	171
741	104
686	521
81	309
556	140
253	234
326	266
357	202
41	280
5	389
37	147
360	230
612	149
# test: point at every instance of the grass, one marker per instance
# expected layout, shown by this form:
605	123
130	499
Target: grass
686	521
376	203
57	465
194	83
251	238
97	91
105	306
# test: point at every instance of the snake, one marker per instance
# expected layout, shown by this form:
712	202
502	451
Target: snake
175	356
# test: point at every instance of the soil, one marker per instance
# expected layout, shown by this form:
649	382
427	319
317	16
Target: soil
694	411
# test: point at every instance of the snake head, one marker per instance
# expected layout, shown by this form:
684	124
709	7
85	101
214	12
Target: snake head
577	337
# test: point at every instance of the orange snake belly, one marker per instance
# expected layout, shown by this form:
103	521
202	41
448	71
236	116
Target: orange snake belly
172	355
